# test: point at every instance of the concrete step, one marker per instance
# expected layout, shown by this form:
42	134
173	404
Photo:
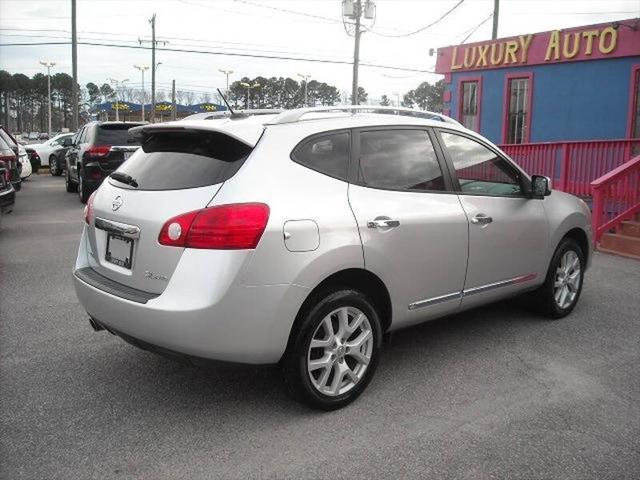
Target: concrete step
630	228
620	244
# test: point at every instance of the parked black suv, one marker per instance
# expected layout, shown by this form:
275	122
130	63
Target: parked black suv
14	165
96	151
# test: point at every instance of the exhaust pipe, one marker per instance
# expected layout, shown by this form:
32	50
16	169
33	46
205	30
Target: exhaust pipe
95	325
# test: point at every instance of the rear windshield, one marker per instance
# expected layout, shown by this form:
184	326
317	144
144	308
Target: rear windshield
117	135
7	138
177	160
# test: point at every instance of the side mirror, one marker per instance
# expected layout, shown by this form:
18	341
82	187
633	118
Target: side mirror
540	186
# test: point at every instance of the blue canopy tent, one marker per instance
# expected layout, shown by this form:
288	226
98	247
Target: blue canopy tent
129	111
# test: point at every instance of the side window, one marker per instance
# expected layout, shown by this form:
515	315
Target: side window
328	154
399	160
480	170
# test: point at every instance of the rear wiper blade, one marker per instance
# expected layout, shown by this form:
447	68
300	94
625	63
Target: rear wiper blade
124	178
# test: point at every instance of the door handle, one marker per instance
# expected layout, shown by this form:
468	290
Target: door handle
383	223
481	219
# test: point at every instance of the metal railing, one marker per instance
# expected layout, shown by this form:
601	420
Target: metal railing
573	165
616	197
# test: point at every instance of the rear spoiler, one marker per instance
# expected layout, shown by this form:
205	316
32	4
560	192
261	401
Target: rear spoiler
248	134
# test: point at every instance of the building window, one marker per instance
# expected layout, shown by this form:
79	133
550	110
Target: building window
518	109
635	92
469	113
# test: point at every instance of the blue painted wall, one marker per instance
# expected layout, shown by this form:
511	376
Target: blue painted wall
571	101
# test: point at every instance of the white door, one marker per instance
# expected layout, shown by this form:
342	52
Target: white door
413	228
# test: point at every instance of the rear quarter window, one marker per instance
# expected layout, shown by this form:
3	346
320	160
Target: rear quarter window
326	153
179	160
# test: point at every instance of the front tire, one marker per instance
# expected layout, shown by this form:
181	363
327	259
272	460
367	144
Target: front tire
54	168
560	293
334	352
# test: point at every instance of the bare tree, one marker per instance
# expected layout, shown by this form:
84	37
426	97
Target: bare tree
205	97
189	98
180	96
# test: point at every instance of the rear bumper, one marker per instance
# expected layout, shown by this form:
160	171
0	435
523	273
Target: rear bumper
242	324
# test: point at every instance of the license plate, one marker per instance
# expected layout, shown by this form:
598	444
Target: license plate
119	250
127	155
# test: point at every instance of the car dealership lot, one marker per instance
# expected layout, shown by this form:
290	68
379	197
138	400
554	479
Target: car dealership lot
491	393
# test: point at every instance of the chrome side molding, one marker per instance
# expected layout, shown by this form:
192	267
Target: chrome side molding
471	291
117	228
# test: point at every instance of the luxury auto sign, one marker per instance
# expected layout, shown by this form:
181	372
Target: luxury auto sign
597	41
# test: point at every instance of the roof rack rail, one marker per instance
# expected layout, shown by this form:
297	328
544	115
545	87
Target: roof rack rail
295	115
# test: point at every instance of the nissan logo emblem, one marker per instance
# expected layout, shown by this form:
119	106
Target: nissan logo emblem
117	203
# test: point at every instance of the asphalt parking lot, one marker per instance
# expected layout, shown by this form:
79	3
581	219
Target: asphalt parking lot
491	393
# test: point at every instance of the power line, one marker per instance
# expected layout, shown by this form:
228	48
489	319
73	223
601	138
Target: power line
422	29
286	10
475	29
231	54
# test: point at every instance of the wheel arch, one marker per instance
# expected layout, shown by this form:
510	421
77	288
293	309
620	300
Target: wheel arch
581	238
357	279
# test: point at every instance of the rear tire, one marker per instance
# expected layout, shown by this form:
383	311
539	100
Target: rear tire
346	332
83	191
560	293
69	184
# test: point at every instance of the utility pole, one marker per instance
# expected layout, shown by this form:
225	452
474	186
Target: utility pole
173	100
48	66
118	83
142	69
154	65
356	56
353	10
306	80
227	73
153	68
496	11
75	101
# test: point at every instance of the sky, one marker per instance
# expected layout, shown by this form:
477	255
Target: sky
310	29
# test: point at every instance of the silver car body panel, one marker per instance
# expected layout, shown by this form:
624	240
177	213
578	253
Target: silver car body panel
240	305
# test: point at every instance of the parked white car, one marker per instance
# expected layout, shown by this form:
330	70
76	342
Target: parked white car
46	150
23	158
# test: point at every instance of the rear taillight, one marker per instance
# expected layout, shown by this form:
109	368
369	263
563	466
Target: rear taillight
88	209
97	152
236	226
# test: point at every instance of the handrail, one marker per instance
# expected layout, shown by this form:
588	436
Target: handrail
616	197
615	173
296	114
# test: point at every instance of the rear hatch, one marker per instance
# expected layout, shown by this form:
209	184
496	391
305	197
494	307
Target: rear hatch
113	145
174	172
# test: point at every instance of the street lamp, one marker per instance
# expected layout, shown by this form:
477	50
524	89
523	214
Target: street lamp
306	79
227	73
48	66
142	69
249	88
352	12
118	84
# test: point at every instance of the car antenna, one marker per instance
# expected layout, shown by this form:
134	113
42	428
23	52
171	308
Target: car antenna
225	101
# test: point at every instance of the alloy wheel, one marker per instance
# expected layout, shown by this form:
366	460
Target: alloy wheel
340	351
53	166
567	281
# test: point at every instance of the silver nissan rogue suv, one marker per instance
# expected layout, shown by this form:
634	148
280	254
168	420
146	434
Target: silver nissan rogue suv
300	238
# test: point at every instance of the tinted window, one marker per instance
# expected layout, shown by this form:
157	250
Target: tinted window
399	159
328	154
176	160
480	170
114	135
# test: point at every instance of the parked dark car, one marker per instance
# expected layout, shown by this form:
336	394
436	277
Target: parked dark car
57	162
7	192
96	151
14	165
